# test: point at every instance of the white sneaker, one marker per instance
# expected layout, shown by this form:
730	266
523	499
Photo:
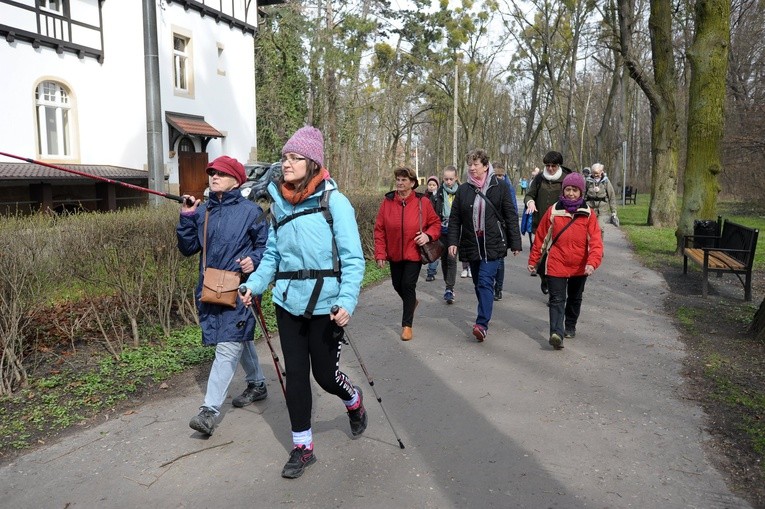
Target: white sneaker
464	273
470	274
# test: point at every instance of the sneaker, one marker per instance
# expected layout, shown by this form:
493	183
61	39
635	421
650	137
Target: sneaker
556	341
253	392
464	273
497	294
470	273
449	296
570	334
430	278
358	417
300	459
479	333
204	422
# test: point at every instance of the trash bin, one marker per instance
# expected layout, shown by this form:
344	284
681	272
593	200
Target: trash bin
706	227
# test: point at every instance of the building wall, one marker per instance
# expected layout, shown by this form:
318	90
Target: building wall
109	98
227	98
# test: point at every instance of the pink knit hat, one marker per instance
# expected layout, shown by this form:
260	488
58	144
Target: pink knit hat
574	179
229	166
308	142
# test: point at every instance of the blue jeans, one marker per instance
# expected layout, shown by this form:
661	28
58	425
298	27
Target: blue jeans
227	356
484	276
432	268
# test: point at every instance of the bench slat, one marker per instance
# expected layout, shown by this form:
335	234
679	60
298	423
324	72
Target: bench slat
717	259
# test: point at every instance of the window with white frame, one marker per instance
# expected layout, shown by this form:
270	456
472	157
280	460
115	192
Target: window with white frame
181	63
53	119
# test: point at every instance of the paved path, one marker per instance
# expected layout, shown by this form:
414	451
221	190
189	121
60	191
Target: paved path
507	423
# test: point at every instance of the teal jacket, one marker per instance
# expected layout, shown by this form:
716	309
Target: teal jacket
306	243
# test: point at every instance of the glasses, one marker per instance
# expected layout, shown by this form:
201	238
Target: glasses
292	159
218	173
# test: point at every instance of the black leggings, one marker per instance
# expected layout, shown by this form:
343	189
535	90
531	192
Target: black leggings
310	345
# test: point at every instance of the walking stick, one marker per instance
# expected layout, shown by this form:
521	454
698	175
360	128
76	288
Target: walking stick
347	339
262	322
179	199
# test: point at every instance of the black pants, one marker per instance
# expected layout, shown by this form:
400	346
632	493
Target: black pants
310	345
404	277
448	264
565	302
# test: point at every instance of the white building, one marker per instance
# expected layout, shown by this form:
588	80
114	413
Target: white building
74	91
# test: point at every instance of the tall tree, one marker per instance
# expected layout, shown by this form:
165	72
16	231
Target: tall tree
661	94
708	57
281	84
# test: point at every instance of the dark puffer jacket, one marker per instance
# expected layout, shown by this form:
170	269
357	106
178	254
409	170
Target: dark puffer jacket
545	193
502	232
236	229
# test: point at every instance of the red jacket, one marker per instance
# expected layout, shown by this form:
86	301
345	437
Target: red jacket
581	244
398	223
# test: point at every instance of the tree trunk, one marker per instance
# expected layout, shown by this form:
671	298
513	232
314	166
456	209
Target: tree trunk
708	57
758	323
661	94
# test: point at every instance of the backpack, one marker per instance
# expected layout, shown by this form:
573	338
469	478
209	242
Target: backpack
317	274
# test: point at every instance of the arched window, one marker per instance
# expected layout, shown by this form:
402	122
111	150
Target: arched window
53	119
186	145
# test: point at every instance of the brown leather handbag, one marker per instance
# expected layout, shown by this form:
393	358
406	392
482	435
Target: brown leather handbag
218	286
431	251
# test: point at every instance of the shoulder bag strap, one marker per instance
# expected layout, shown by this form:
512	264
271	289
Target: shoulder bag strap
204	242
560	232
490	204
419	212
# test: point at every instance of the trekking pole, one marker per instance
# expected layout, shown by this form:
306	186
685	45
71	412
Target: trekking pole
179	199
262	322
347	339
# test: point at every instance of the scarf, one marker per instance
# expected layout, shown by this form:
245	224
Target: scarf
449	193
554	176
571	205
479	205
290	193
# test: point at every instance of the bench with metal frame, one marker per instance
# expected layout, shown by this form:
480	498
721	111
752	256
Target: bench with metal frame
731	251
630	195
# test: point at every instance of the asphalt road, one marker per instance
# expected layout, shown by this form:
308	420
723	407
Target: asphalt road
506	423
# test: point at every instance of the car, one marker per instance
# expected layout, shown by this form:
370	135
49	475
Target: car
259	175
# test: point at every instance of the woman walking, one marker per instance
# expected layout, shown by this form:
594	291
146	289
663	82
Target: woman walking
230	233
484	225
314	255
405	221
570	234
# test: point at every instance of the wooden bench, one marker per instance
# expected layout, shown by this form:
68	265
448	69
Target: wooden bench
630	195
732	251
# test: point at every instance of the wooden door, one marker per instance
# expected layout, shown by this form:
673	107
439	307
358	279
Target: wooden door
192	179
